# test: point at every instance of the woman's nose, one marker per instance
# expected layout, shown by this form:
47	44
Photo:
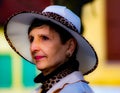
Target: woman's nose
35	46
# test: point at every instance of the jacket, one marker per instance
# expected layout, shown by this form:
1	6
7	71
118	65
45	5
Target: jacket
73	82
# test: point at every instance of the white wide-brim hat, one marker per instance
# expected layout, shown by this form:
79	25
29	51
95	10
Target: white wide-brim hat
16	33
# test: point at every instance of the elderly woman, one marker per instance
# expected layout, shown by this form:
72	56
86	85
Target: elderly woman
52	41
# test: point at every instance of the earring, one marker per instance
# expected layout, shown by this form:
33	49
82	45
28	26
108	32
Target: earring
68	54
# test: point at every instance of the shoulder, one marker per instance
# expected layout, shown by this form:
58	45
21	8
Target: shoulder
37	90
78	87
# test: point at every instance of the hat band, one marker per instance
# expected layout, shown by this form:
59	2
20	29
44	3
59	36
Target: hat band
60	19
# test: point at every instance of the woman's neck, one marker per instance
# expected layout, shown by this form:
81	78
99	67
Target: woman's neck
50	70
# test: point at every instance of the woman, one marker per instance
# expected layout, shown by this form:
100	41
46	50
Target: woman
51	40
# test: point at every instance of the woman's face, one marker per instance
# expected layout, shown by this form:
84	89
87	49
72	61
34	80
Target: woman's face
46	48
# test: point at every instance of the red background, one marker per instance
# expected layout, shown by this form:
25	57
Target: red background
9	7
113	30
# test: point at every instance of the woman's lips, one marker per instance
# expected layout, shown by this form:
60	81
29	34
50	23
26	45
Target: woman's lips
38	57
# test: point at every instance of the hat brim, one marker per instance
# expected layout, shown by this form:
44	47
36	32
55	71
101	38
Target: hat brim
16	33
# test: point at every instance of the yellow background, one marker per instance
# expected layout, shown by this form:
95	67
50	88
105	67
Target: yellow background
94	18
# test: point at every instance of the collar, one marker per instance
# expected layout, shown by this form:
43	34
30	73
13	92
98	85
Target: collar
76	77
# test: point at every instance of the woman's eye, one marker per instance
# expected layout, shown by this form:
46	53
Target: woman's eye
44	38
31	39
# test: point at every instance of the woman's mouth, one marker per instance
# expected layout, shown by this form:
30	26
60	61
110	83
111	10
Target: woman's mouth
38	57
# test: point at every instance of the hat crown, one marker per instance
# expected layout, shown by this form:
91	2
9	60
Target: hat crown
66	13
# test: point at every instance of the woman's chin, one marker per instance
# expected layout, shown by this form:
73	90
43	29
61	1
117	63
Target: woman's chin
40	67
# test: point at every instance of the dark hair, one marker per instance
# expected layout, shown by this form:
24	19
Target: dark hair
64	35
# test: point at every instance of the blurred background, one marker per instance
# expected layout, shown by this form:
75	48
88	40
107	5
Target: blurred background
100	25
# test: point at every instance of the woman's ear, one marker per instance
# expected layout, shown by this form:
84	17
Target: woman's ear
71	46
